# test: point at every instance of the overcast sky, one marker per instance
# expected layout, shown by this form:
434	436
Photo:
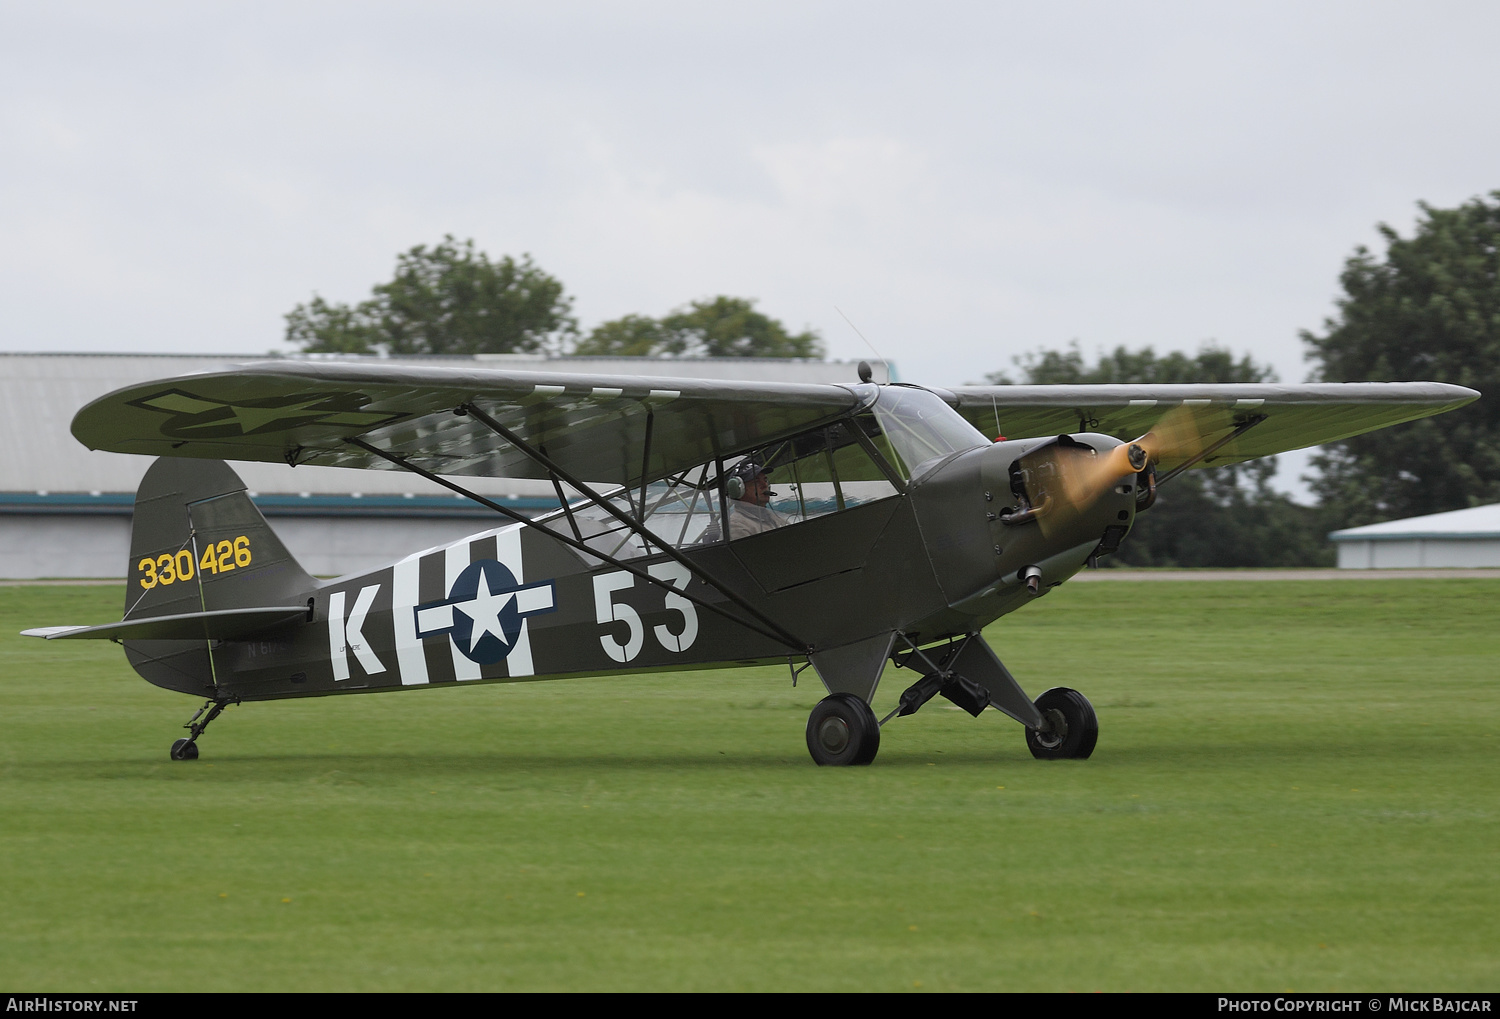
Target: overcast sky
967	182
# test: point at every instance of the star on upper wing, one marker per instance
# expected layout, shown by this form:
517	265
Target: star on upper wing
194	416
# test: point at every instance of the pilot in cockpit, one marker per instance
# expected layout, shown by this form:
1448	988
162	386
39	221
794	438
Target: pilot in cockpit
749	491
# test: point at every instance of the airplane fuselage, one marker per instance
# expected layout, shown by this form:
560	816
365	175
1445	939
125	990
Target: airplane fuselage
513	603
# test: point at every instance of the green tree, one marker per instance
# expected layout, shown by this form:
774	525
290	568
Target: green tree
716	327
631	336
1428	311
448	299
1219	516
1067	367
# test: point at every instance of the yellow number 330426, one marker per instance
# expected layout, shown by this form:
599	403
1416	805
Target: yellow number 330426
169	567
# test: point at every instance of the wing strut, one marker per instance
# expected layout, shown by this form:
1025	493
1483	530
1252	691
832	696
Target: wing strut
638	526
1240	429
770	629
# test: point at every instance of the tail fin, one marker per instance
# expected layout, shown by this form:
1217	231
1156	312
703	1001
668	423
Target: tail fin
198	544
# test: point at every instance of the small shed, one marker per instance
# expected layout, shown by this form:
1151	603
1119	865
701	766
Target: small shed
1463	538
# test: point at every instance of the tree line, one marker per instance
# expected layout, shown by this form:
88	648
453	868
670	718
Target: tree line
451	299
1426	309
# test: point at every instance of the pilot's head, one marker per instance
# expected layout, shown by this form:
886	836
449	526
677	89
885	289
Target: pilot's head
747	482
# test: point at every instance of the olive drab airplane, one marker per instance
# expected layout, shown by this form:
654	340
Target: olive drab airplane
700	524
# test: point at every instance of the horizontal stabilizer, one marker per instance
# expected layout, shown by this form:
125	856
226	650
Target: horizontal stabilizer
219	624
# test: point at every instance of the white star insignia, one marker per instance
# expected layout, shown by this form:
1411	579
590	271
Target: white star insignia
485	609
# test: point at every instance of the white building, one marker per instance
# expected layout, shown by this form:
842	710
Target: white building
65	510
1461	539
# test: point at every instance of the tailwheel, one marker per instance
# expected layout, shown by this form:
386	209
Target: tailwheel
1072	728
187	749
842	730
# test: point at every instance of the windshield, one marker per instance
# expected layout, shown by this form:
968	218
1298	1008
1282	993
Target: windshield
922	428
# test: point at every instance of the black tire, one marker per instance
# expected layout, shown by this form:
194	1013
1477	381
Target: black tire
184	750
842	731
1076	726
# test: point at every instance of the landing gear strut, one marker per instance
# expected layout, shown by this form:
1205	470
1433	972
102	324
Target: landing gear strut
842	730
187	749
1060	724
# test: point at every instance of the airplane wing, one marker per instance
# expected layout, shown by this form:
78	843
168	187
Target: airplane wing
616	429
608	429
1293	416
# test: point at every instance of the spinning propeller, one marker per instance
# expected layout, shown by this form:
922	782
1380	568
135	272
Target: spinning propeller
1064	478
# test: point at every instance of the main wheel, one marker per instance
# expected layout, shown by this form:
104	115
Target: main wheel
842	730
1075	727
184	750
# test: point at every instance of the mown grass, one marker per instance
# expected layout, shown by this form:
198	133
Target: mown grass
1296	786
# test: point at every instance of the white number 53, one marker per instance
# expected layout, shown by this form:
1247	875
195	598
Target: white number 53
608	611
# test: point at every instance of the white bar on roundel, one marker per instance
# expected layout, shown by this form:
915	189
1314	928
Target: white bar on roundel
455	561
438	617
508	552
338	655
534	599
411	660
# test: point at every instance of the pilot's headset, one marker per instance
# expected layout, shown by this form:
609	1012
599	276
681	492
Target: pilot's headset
739	477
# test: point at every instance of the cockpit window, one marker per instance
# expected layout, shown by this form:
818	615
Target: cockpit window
922	428
824	470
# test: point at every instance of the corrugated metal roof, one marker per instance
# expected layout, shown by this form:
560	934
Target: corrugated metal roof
303	504
1475	522
39	394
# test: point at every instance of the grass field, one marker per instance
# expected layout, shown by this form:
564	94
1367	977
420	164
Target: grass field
1297	786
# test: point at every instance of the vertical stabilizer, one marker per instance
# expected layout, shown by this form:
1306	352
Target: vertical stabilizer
199	544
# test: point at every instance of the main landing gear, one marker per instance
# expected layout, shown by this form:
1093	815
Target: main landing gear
843	730
1060	724
187	749
1072	728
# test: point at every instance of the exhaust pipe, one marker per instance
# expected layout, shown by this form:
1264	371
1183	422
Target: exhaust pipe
1025	513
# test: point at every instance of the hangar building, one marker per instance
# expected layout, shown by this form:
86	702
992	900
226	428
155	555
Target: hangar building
1463	538
65	511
